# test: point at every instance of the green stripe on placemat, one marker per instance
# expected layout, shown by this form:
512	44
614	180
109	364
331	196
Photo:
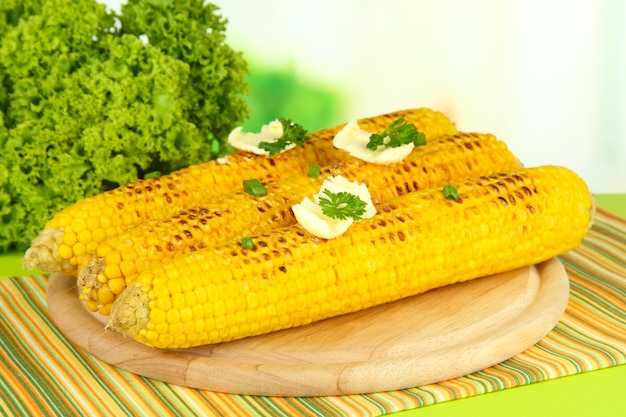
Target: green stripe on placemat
42	373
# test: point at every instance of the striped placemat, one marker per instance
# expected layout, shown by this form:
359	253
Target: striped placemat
43	374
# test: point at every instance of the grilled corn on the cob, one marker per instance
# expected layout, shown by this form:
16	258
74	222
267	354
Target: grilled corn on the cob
119	259
79	228
415	243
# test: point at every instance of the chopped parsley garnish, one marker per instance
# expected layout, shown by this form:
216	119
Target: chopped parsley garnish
342	205
254	187
292	133
399	133
314	170
450	192
246	243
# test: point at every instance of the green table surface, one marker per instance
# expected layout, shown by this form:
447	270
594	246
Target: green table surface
598	393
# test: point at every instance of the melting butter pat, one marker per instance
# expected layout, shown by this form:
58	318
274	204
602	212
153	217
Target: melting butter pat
248	141
354	140
310	216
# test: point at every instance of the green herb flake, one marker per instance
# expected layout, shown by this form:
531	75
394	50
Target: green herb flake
254	187
399	133
246	243
450	192
292	133
314	170
342	205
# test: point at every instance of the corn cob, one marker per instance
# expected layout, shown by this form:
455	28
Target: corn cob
78	229
416	242
119	259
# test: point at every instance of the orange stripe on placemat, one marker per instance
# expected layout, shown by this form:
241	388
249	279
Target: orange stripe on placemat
41	372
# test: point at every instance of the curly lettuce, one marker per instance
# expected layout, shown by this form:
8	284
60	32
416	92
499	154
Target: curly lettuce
86	104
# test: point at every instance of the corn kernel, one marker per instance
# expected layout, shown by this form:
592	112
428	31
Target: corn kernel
84	236
79	250
105	295
111	270
219	308
197	311
161	328
128	267
117	285
186	314
190	298
200	293
91	306
252	300
65	251
105	310
176	328
208	309
172	316
174	286
178	301
165	339
164	303
161	290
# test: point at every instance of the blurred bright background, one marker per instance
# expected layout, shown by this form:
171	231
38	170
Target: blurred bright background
546	76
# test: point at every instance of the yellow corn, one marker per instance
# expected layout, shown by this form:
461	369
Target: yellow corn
119	259
415	243
78	229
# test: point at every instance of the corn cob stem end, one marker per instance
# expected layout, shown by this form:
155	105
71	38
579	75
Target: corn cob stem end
44	254
87	281
130	312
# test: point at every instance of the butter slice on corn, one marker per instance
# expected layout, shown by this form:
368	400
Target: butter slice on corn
309	214
249	142
354	140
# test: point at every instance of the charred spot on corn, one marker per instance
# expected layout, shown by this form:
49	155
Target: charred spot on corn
254	187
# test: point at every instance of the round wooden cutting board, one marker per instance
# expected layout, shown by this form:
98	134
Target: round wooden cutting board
441	334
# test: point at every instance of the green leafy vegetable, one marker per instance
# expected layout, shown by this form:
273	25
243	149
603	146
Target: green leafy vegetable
342	205
450	192
292	133
92	108
254	187
399	133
